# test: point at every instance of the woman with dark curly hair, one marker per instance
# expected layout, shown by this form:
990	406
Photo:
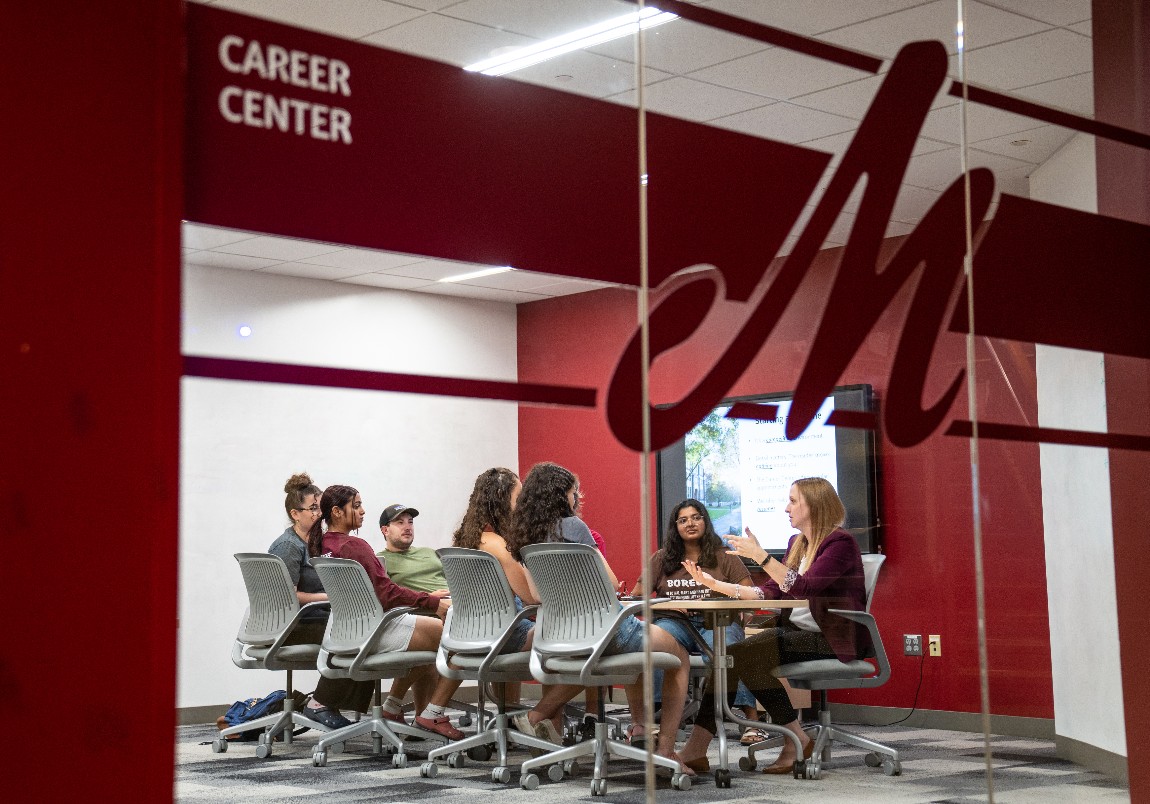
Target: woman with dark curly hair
545	512
691	536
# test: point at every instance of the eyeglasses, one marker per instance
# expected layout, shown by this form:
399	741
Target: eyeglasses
683	520
313	508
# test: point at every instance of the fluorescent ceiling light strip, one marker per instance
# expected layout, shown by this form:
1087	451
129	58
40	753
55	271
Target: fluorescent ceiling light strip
476	274
576	40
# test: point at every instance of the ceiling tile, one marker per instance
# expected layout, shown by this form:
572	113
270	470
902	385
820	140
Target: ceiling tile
983	122
363	260
778	73
237	262
1074	94
1044	142
571	286
809	16
938	170
912	203
589	74
311	271
1086	28
433	270
1055	12
1042	57
854	99
197	236
446	39
350	19
885	36
688	99
512	280
385	281
682	46
539	19
786	122
278	248
486	294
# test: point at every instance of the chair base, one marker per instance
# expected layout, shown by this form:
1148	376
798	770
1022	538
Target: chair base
601	747
824	734
274	725
500	734
381	730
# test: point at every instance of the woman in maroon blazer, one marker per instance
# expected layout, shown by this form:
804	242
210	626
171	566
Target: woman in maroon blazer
823	566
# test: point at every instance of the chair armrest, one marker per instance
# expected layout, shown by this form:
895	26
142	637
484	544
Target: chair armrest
866	619
291	626
525	613
600	646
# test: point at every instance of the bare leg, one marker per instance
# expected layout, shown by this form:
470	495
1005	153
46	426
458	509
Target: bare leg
674	689
787	757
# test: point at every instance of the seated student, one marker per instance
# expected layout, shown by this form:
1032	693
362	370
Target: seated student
341	510
545	512
823	566
690	536
488	515
331	694
417	568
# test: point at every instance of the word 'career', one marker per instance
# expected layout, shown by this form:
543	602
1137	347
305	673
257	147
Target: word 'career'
296	68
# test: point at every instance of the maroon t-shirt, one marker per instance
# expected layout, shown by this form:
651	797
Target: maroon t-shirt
390	594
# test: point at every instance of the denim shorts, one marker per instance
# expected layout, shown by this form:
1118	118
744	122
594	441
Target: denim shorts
518	637
628	639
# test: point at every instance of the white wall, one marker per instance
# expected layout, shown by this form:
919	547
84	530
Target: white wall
1076	506
240	441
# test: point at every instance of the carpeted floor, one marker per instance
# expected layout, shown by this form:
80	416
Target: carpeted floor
937	766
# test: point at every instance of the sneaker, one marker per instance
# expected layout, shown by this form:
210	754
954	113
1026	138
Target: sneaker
545	730
325	716
441	726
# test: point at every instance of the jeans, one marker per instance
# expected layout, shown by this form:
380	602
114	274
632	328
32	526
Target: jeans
678	628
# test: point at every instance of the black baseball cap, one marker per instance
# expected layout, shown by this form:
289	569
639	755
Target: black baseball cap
392	511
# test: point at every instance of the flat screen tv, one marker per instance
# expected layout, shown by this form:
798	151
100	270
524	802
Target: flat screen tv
742	468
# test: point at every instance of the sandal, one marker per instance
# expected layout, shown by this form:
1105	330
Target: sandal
753	735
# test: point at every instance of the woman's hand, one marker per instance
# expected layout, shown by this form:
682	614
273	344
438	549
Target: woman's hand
699	576
747	547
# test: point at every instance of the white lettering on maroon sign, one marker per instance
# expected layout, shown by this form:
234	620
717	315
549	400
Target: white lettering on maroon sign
250	107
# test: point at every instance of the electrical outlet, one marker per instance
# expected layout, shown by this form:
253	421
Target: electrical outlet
912	644
934	643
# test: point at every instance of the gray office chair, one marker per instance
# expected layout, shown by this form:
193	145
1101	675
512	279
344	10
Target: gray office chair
481	619
350	650
273	614
578	615
831	674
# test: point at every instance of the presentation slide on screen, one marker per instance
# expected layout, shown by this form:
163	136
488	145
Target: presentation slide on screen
742	470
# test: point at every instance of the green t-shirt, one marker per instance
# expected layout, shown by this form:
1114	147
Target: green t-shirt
419	569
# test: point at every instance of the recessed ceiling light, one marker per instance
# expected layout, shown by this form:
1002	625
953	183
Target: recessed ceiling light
476	274
597	34
244	331
564	78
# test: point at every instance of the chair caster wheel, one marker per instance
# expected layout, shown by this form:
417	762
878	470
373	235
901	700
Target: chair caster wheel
599	787
399	760
570	767
800	768
319	759
747	764
529	782
455	760
428	770
814	769
723	777
464	721
555	772
219	746
501	775
679	781
264	750
337	748
480	753
892	767
873	760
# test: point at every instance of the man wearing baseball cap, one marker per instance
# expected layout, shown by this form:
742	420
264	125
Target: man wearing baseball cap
417	568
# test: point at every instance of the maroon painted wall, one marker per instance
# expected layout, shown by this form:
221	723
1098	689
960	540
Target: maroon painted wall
89	355
927	583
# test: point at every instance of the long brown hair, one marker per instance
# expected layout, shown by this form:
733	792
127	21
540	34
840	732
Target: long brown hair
332	497
542	504
674	549
488	509
826	511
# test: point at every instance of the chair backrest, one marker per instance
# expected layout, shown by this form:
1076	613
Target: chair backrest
272	601
355	609
482	603
872	563
577	602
